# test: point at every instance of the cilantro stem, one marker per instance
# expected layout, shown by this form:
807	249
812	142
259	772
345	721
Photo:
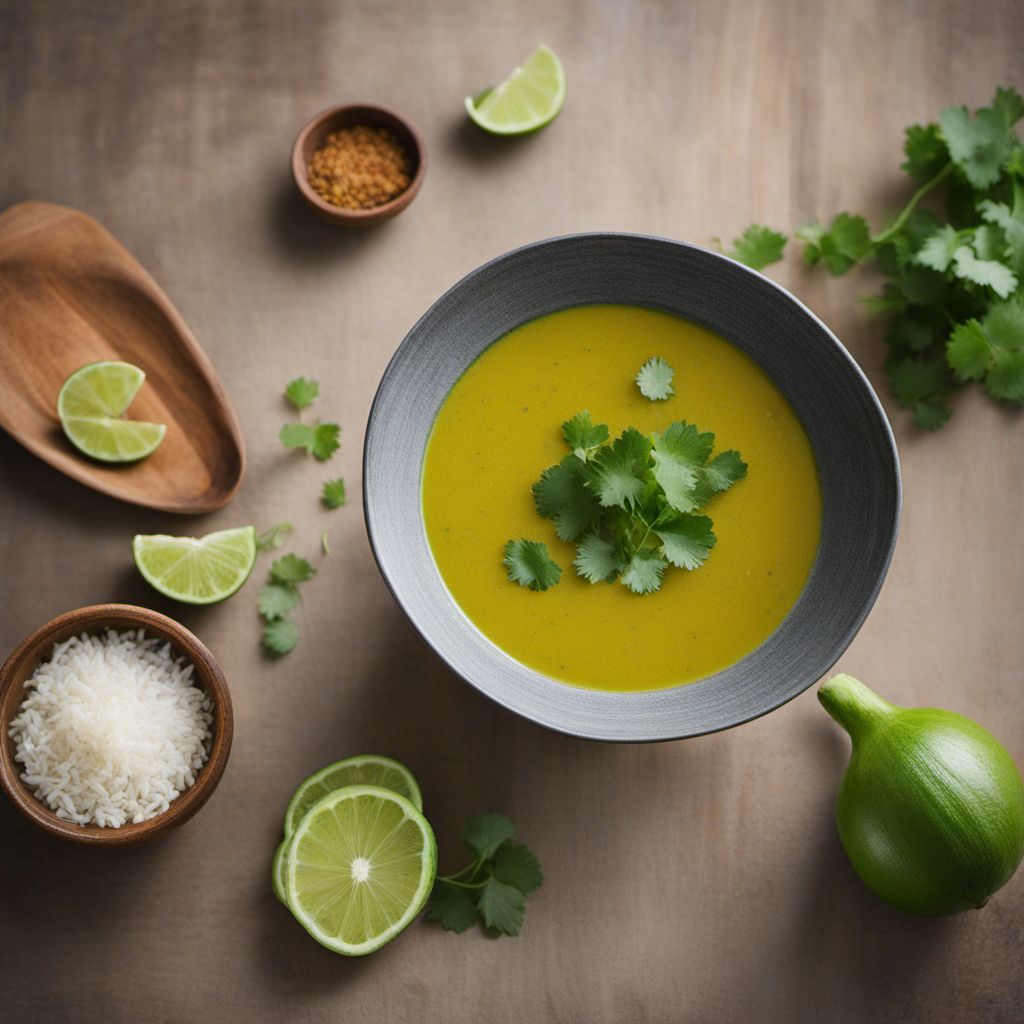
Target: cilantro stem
463	885
897	225
470	869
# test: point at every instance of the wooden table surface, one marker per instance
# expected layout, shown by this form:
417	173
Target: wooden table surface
699	881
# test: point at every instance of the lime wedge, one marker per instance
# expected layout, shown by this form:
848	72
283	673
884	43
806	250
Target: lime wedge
277	871
360	866
198	570
527	100
364	770
91	404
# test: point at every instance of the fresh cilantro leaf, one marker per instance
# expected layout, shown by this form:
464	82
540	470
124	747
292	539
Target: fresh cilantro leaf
484	833
325	441
679	455
583	436
619	471
320	440
846	242
968	351
272	539
302	392
984	272
333	494
979	146
686	540
290	569
529	564
515	865
276	600
925	151
596	560
1011	222
296	435
931	415
758	246
992	350
643	573
280	636
937	250
724	470
654	379
452	905
916	379
989	242
561	495
1005	378
502	907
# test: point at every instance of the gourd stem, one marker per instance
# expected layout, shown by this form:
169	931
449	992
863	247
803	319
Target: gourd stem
853	705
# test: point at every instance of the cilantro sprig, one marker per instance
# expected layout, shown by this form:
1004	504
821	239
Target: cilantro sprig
955	283
279	598
494	886
320	439
632	506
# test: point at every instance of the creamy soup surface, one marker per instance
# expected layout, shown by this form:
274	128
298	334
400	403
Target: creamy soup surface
501	426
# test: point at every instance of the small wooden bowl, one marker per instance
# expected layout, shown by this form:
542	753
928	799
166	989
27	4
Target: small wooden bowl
312	137
39	646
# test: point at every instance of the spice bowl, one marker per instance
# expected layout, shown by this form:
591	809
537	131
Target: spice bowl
38	648
353	115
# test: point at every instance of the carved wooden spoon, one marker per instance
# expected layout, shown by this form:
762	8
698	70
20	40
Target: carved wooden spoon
71	294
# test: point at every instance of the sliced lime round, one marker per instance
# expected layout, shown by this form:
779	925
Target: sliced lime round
363	770
277	871
91	404
360	866
198	570
527	100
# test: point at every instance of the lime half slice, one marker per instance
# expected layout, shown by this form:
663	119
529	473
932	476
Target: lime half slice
198	570
364	770
91	404
359	868
277	871
527	100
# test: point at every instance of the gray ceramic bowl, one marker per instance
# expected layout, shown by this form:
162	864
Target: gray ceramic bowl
849	433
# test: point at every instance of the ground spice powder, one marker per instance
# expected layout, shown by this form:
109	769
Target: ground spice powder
359	168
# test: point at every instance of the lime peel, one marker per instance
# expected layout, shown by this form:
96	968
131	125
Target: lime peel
528	99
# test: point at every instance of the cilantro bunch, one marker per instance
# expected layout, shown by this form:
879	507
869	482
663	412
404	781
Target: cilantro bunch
954	287
632	506
493	887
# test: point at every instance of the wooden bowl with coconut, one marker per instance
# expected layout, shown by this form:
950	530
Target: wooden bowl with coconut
115	725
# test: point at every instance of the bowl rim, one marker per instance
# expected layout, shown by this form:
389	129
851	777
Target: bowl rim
841	643
37	647
341	214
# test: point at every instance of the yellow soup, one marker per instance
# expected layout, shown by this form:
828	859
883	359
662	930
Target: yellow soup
501	426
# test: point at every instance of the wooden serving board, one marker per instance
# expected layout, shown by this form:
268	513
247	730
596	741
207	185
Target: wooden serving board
71	294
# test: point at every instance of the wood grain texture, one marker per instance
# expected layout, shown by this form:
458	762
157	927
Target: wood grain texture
685	883
71	294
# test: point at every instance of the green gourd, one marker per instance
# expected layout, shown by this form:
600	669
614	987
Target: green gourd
931	810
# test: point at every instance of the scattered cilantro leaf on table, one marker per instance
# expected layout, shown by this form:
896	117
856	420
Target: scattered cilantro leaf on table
654	380
758	247
333	494
290	569
494	886
301	393
529	564
279	598
946	277
276	600
272	539
321	440
280	636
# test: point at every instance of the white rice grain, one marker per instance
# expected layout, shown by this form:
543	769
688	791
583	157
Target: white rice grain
111	729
